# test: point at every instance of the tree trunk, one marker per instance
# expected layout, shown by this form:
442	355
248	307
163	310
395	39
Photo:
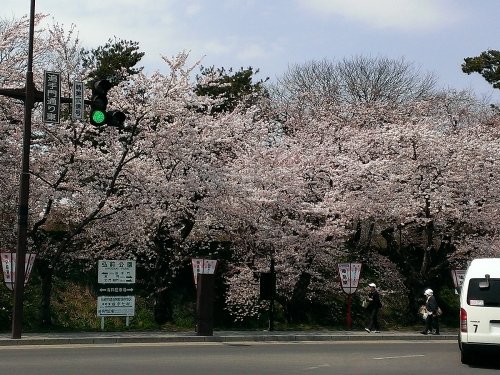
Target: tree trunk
162	307
296	307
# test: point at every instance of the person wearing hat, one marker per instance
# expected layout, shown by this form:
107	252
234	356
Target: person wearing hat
432	319
372	309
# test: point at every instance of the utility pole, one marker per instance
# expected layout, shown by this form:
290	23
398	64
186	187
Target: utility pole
273	294
29	94
22	226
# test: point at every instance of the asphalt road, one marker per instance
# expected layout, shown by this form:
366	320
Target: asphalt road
315	358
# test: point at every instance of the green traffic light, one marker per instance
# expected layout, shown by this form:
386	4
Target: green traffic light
98	117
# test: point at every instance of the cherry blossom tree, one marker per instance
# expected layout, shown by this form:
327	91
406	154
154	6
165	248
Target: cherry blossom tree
403	181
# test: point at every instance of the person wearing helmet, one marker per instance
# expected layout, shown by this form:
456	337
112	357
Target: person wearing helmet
372	309
431	307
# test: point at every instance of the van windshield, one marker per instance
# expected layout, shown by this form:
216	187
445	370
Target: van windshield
484	296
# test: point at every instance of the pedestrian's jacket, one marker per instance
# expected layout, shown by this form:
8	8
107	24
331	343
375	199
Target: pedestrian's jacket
374	300
431	304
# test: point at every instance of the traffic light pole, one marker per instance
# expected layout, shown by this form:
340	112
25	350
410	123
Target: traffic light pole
22	226
29	94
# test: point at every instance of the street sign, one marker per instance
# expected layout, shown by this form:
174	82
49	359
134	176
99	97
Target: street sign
116	289
51	97
116	272
115	305
203	266
116	279
9	268
78	101
349	276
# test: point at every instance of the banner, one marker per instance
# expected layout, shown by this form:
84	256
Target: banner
9	268
458	278
349	276
204	266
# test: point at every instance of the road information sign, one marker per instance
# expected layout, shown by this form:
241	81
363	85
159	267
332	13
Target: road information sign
116	272
116	306
78	101
51	97
116	279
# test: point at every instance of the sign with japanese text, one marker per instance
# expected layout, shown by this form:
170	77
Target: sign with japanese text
116	279
118	289
204	266
116	272
9	268
115	305
349	276
51	97
78	101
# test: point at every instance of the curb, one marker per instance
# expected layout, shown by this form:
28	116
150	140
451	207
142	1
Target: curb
218	337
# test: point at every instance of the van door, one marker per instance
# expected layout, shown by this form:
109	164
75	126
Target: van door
483	311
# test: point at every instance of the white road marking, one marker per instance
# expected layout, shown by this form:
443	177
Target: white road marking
401	356
316	367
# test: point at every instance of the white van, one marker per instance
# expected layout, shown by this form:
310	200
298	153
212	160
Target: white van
480	309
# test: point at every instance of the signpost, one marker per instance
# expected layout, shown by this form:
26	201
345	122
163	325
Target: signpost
349	280
116	279
203	270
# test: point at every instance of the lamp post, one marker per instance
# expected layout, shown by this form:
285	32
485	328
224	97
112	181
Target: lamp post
22	226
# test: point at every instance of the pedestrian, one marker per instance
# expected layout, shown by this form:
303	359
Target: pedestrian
372	309
432	318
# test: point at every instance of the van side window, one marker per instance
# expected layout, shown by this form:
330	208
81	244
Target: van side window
479	295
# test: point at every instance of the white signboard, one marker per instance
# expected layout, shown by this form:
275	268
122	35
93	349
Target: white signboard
349	276
116	272
78	101
115	305
9	268
203	266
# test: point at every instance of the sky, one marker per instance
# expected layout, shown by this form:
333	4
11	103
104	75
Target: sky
273	35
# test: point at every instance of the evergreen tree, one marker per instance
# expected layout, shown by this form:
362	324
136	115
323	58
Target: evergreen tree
231	88
114	61
487	64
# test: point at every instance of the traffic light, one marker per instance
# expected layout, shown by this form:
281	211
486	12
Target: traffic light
115	118
267	285
99	101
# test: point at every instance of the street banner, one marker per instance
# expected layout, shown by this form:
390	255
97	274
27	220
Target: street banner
349	276
51	97
203	266
9	268
458	278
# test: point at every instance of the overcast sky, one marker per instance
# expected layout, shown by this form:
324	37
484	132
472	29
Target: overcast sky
270	35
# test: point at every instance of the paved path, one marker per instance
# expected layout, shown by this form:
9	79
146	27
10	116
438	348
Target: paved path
218	336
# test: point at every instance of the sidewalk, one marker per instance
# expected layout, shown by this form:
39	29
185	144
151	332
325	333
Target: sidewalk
218	336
